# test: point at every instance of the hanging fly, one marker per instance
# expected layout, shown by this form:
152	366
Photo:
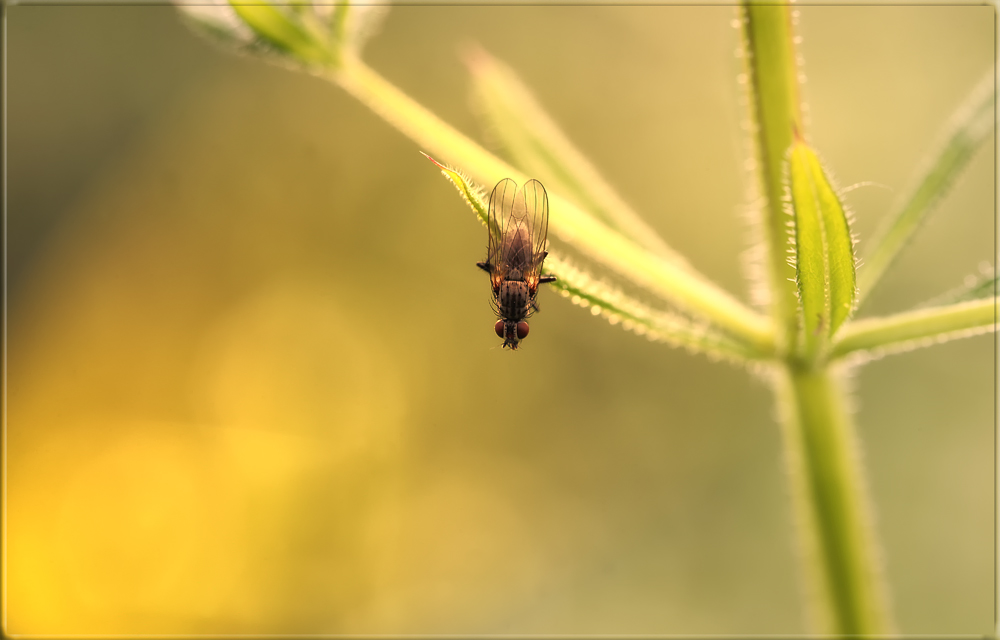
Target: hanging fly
518	226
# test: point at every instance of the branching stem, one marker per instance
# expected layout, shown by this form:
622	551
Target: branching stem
836	537
832	510
672	281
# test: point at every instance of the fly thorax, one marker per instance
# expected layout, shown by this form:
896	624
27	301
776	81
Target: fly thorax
513	299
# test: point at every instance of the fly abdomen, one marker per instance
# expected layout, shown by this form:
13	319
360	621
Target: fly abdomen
512	300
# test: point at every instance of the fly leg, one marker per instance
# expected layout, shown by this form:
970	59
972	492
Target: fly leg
542	280
485	266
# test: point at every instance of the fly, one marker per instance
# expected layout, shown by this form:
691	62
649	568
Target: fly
518	227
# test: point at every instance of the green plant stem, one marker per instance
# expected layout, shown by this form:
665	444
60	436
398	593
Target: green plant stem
689	291
777	119
936	323
831	507
839	549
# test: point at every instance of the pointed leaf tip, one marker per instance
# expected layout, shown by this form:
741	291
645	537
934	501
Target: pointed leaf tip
466	188
474	56
434	161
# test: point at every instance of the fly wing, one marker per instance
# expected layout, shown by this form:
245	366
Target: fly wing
501	207
517	250
536	207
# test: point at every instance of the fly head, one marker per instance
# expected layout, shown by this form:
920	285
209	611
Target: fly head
512	332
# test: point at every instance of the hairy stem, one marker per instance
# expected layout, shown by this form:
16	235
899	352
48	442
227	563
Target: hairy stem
777	120
832	510
839	548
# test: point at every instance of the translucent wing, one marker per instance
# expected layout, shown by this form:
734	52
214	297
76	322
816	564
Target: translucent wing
536	208
519	222
501	207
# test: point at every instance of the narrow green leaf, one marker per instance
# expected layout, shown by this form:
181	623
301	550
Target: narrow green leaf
824	250
983	285
874	337
810	253
968	129
986	288
614	305
539	148
470	192
284	31
839	246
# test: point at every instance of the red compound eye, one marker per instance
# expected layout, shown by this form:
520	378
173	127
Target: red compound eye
498	327
522	330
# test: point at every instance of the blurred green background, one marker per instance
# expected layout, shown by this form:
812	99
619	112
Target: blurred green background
253	385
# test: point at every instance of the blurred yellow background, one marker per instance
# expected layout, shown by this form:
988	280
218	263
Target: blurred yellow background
253	385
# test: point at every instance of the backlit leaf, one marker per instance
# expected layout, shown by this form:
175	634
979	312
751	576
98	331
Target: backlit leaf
824	250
